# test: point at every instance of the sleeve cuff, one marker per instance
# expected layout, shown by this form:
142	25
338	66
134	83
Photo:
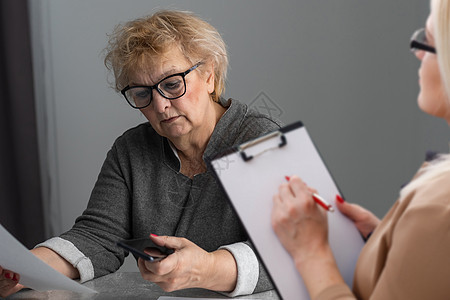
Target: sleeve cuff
247	269
75	257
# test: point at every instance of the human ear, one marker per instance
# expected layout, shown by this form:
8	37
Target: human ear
210	79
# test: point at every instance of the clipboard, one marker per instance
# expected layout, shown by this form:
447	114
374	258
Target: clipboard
250	175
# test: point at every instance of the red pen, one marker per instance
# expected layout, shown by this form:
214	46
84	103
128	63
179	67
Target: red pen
319	200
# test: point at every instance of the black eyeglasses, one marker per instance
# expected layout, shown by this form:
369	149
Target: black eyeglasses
171	87
419	42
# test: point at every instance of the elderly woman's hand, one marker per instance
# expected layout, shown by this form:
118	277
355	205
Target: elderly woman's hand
190	266
9	283
300	224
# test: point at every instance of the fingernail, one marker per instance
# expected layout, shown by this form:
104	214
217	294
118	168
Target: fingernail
15	278
152	234
287	178
8	275
339	199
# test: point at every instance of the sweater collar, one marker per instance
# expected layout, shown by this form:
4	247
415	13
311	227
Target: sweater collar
225	132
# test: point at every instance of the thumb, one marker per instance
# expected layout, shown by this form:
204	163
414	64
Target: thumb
170	242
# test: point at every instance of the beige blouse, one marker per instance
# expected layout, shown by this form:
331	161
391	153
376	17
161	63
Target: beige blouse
408	255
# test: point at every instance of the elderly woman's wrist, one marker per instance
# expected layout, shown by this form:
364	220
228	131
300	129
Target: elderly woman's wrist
221	271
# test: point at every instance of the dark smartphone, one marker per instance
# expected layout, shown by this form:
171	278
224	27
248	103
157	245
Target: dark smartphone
137	247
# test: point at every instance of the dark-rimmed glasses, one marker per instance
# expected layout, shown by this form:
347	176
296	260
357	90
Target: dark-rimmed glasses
171	87
419	42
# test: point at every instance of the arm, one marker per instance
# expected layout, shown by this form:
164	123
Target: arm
89	245
302	228
9	281
55	261
417	260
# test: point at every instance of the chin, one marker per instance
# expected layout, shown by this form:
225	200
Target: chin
423	103
176	132
420	102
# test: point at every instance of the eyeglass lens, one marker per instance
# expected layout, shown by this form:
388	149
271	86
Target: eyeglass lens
420	42
171	88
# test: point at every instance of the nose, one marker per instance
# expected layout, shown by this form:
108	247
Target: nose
160	104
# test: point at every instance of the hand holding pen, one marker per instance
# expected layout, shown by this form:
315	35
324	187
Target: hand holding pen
319	200
299	222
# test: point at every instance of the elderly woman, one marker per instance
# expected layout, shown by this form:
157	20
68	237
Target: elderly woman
407	256
154	181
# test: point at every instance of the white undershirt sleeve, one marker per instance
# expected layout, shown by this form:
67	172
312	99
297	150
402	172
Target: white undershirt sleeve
247	269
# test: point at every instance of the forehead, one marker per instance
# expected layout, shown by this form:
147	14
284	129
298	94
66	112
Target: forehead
154	69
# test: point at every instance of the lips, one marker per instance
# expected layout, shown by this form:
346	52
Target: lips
170	120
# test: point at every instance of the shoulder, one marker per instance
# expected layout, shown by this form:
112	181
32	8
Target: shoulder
427	208
138	137
434	187
252	123
138	132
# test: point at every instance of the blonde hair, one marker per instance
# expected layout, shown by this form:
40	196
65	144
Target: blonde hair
441	21
136	44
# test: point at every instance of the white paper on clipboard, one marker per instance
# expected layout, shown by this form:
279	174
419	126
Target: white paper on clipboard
252	176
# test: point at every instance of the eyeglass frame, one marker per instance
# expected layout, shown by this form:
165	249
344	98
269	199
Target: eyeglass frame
155	87
415	45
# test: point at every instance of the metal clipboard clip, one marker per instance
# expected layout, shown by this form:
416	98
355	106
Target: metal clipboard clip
244	146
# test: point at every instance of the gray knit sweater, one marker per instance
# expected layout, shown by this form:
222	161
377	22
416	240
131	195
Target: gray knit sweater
140	190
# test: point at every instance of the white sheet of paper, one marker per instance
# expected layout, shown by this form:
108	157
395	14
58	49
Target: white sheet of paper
251	185
34	273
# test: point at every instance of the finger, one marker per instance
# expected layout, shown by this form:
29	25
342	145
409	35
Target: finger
284	192
145	272
170	242
9	286
344	207
297	186
158	271
277	214
154	252
142	268
312	190
168	264
16	288
276	208
351	211
276	199
8	275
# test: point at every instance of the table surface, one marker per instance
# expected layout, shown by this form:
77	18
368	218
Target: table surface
124	285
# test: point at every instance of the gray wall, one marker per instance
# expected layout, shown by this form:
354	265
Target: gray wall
342	67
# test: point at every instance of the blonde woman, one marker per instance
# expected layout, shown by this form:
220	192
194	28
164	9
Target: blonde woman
171	66
407	255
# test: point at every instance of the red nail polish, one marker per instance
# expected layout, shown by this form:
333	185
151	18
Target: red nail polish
15	278
287	178
153	235
340	199
7	275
